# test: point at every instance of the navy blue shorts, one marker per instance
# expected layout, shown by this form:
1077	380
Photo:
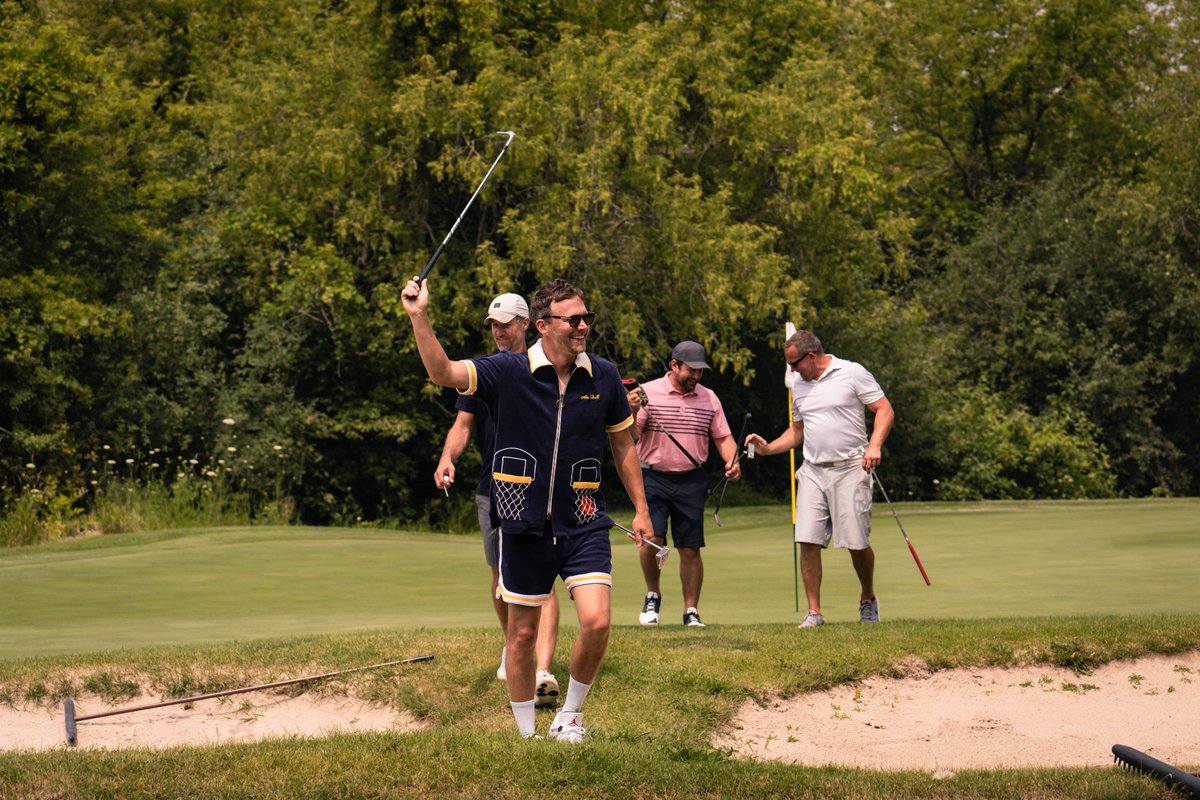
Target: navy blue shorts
680	498
529	564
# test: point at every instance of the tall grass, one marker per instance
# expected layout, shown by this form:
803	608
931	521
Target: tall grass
125	505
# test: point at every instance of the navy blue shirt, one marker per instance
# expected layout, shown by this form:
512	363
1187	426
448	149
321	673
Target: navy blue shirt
548	450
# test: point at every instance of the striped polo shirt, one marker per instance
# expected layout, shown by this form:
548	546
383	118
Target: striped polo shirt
691	418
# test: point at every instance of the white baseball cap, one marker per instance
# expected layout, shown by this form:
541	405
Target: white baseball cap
506	307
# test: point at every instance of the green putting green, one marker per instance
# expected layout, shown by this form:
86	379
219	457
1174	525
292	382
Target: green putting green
985	560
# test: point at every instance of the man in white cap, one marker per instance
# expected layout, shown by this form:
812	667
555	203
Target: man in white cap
508	316
676	416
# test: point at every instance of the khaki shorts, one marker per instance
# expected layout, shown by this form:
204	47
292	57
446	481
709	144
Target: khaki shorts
833	505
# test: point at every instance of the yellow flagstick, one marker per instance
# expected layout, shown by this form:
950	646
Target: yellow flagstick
789	329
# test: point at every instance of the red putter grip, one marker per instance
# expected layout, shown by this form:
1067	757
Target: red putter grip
920	566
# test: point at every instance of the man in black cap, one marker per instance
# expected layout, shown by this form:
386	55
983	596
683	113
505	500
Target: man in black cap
675	418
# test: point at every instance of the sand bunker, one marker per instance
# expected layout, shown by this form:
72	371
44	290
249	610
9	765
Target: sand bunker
984	718
248	717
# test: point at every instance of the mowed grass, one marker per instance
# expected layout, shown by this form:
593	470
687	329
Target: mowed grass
180	613
986	560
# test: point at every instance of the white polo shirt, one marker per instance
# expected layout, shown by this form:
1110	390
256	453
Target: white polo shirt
831	408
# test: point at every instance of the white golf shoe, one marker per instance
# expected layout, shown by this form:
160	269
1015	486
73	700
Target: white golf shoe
812	620
568	727
650	609
547	689
868	610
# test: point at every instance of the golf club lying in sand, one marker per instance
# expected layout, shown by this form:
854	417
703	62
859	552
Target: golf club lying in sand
663	552
69	704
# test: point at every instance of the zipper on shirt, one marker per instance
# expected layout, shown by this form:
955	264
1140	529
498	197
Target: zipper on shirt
554	457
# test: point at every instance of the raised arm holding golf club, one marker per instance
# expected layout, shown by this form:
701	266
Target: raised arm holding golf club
833	485
508	319
554	406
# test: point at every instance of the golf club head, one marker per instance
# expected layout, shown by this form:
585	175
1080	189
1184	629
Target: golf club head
717	519
661	557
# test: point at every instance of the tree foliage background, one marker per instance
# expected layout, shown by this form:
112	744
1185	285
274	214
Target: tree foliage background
207	210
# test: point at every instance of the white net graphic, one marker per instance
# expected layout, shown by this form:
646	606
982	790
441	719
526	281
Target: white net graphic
512	472
585	480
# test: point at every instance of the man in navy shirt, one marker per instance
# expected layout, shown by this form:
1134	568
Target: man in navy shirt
508	317
553	408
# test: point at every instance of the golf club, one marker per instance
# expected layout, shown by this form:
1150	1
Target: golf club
663	552
725	478
892	508
71	719
630	384
437	253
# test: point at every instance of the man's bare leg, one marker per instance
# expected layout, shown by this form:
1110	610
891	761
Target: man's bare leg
810	571
691	575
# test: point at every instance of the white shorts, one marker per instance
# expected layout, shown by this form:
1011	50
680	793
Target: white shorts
834	504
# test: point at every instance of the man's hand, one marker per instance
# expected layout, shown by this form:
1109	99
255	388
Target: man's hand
443	476
760	444
635	399
734	471
872	457
415	297
642	528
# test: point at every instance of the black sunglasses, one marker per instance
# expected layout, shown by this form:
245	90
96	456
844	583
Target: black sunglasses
796	363
574	319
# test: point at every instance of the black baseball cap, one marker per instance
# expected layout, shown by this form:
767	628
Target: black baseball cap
690	353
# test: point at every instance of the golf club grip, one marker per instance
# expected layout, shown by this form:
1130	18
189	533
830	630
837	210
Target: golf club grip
920	566
433	260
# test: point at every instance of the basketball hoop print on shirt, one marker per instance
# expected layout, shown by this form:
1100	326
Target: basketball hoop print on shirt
585	480
513	470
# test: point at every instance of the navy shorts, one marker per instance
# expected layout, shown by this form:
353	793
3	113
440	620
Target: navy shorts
530	563
678	497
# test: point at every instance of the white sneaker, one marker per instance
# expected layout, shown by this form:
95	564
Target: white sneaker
568	727
547	689
868	610
812	620
691	618
501	671
650	608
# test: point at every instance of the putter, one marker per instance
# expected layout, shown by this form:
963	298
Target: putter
71	719
911	549
437	253
724	484
660	558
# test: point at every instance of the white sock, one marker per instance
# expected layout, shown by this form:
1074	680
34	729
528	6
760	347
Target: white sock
576	693
525	715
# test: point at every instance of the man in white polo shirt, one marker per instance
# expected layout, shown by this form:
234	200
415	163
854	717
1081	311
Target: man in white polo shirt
676	416
833	485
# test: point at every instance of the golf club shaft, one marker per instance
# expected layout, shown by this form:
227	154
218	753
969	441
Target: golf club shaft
633	536
903	532
651	418
438	253
737	457
260	687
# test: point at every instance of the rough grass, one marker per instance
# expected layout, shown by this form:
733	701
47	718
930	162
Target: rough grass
661	696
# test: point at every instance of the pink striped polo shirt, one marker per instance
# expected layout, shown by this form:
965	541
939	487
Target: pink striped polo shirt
691	418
